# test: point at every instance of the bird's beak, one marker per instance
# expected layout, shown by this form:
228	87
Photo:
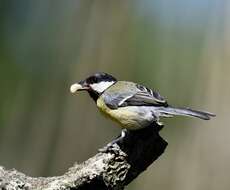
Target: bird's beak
77	87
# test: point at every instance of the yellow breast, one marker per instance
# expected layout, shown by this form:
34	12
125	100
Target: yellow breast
105	109
125	116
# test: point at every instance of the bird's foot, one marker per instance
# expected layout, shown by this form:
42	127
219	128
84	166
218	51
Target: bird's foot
160	125
110	147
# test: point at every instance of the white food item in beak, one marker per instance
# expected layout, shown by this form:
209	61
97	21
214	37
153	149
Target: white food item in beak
75	87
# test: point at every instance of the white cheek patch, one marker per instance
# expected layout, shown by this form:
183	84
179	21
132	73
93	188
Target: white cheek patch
101	86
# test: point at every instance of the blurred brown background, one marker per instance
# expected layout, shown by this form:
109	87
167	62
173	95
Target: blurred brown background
179	47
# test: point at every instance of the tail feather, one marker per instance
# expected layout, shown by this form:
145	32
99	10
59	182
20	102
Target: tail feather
188	112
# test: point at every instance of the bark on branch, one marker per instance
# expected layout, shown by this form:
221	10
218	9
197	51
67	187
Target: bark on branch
113	168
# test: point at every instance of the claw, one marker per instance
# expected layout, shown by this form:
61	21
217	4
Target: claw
112	144
160	123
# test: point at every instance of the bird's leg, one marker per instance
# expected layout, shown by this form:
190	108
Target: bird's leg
159	125
156	122
123	134
115	141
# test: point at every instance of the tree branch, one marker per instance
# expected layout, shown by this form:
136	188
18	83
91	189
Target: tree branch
113	168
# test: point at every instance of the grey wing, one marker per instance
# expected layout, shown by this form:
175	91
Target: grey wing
145	97
117	100
141	96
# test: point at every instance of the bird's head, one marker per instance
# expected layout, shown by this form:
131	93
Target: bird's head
94	84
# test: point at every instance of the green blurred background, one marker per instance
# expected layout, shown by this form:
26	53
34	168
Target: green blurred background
180	48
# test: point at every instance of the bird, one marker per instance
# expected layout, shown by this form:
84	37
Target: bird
133	106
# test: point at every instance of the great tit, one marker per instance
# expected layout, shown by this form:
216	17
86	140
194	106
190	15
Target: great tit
132	105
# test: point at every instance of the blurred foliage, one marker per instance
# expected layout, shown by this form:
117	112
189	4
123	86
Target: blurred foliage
180	48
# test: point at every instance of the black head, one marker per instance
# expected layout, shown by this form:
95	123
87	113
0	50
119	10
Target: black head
95	84
99	77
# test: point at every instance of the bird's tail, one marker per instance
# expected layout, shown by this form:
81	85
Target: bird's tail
187	112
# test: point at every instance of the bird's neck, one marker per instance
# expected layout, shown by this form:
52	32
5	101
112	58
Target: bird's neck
94	95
